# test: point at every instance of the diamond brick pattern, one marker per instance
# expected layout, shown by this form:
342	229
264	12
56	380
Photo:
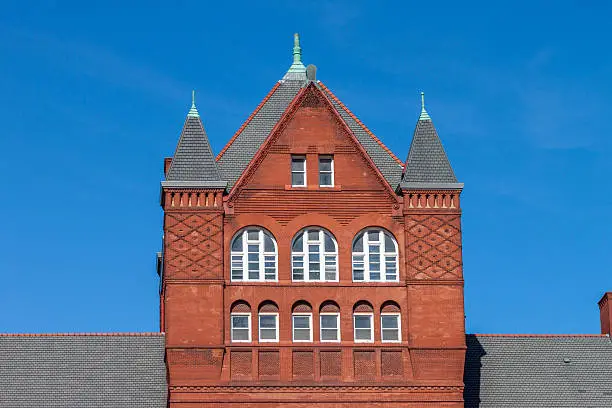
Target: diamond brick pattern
269	363
433	249
194	246
240	364
391	363
365	365
331	363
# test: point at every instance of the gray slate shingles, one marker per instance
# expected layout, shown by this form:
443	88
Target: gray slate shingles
427	161
193	159
69	371
529	372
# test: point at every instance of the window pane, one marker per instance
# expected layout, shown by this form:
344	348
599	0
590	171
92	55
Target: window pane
358	244
267	334
240	334
329	242
329	334
329	322
301	335
297	179
325	179
297	163
362	321
237	244
363	334
267	321
389	321
390	335
358	268
240	322
253	235
313	235
298	244
298	267
325	164
268	243
301	322
389	245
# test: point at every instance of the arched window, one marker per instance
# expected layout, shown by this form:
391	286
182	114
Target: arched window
363	322
390	323
301	319
240	322
314	256
268	322
329	315
254	255
375	256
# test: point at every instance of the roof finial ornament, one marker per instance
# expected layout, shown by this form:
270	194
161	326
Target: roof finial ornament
297	70
193	112
424	114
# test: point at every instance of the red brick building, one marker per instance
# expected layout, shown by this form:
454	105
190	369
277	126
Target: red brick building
306	265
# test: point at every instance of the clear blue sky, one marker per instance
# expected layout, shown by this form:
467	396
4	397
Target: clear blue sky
93	96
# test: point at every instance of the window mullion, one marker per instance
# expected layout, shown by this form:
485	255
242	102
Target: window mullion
321	257
366	257
245	256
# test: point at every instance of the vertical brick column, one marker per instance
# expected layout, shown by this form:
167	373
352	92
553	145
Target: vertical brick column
435	283
192	286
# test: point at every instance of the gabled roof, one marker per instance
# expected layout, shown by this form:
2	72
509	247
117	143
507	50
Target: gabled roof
193	161
83	370
427	164
513	371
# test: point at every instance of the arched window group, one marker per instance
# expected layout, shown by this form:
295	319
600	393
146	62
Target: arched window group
314	256
302	329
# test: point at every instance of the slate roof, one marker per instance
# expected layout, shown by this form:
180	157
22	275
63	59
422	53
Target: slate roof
193	159
427	161
538	371
68	371
239	152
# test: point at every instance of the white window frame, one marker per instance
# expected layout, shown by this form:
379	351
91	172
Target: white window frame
301	314
275	340
242	257
301	158
384	255
238	314
371	316
337	328
325	258
331	158
399	327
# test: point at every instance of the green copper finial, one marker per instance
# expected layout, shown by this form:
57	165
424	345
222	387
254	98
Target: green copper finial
297	67
193	112
424	114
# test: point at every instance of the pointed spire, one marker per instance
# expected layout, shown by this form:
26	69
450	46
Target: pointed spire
297	70
427	165
193	112
424	114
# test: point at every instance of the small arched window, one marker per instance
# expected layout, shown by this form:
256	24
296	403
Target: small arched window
375	256
254	255
314	256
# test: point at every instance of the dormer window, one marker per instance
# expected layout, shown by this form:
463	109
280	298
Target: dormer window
298	171
326	171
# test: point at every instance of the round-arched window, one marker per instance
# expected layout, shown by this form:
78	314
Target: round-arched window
314	256
254	255
375	256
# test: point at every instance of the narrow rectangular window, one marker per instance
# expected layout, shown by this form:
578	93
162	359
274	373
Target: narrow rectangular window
326	171
268	327
364	329
302	327
240	327
390	327
330	327
298	171
298	267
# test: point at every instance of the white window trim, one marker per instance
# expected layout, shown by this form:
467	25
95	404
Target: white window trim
383	255
244	254
309	315
337	328
322	254
399	327
259	327
331	157
232	327
371	315
303	158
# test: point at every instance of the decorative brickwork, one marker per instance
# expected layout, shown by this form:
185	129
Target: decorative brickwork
241	365
269	364
392	364
365	364
434	246
194	246
331	363
303	365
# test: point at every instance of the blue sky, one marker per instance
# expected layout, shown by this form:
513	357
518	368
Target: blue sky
93	98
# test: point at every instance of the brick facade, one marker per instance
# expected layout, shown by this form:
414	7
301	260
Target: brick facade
207	369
